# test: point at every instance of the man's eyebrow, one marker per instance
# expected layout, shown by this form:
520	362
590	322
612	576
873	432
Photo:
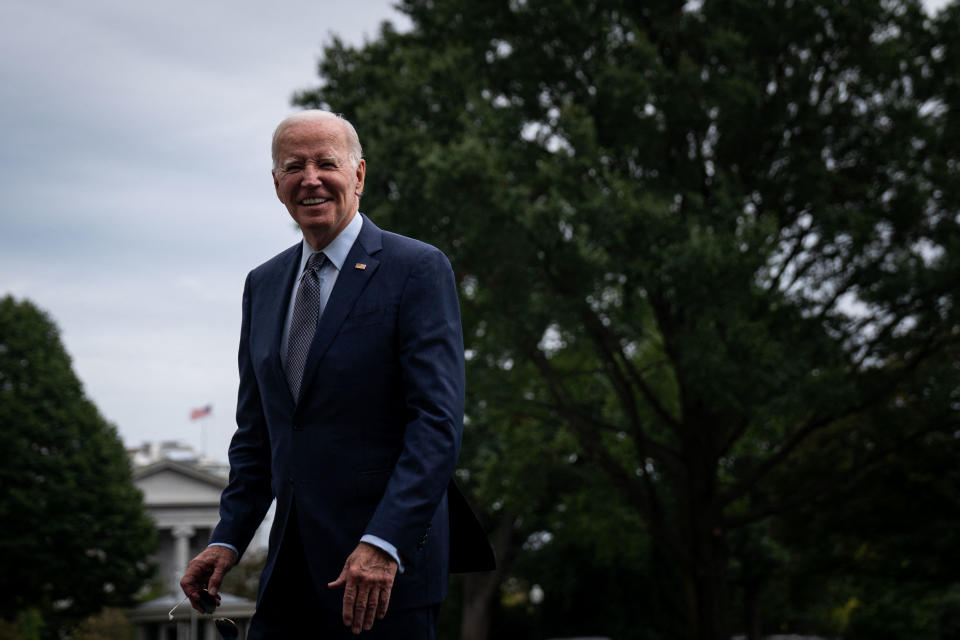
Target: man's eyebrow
318	160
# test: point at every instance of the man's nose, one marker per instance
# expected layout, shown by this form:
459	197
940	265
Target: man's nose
311	174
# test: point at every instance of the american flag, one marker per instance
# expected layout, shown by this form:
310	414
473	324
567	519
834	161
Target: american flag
201	412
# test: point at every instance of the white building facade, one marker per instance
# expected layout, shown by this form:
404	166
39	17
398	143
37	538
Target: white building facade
183	499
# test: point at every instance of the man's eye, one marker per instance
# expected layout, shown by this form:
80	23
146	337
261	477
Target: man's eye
293	168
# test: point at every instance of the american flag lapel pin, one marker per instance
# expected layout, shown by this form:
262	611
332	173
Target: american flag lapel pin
360	266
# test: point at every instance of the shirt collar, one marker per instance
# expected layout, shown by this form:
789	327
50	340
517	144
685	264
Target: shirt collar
338	248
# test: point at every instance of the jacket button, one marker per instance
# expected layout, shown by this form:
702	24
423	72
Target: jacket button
298	427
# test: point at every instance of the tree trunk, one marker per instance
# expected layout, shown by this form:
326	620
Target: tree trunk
705	561
480	589
707	589
751	610
478	592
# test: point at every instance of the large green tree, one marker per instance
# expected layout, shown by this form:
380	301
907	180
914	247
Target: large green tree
75	534
716	241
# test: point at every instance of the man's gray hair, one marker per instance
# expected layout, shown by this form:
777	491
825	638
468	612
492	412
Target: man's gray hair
355	151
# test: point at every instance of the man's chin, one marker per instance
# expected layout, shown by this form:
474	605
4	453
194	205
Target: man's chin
321	230
314	219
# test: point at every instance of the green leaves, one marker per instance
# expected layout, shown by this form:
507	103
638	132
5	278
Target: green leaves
76	537
708	242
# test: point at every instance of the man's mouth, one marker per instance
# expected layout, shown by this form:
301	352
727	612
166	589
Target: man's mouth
312	201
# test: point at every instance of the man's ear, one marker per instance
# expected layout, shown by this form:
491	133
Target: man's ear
361	175
276	182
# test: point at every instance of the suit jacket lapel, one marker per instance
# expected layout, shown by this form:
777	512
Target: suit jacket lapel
276	301
350	283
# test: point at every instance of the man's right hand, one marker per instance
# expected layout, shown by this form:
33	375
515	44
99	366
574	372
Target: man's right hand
206	571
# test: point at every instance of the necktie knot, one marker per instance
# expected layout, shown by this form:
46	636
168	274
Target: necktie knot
315	261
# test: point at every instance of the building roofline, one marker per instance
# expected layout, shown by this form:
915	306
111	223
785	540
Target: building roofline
182	468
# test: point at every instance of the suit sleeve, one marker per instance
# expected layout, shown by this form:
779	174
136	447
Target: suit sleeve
248	494
430	349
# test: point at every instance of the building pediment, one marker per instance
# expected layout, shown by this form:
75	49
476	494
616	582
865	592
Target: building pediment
172	483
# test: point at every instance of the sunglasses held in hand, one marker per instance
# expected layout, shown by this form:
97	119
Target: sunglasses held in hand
209	603
227	628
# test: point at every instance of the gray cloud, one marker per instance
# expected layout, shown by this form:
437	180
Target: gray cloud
134	185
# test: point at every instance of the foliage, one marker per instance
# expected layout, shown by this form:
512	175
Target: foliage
27	625
885	545
243	580
75	533
109	624
710	247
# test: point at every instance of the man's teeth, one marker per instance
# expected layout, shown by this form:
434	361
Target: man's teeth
310	201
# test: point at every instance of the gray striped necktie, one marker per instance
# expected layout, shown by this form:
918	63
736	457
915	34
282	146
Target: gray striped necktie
303	324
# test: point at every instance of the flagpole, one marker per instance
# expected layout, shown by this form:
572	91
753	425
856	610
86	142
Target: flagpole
203	436
201	414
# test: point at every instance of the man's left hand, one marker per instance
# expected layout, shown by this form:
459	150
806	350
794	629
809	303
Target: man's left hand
367	579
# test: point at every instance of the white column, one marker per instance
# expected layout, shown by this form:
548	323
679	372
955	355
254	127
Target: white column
181	553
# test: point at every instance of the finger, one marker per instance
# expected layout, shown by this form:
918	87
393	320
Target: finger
370	611
192	578
223	564
213	584
384	602
339	582
349	598
360	609
191	589
188	584
196	602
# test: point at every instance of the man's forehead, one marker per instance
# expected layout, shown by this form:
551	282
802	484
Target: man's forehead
314	131
311	144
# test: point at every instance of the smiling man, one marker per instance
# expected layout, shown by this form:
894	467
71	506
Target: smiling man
349	413
318	173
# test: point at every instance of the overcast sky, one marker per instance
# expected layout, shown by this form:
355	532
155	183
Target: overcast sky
134	185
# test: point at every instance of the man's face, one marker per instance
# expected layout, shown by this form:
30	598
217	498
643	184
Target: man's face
315	179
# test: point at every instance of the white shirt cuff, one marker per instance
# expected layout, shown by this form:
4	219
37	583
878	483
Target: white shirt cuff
228	546
382	544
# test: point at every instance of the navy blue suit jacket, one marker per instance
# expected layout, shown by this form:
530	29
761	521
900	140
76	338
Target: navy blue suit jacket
371	445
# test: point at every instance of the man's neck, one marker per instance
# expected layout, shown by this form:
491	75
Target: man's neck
320	241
